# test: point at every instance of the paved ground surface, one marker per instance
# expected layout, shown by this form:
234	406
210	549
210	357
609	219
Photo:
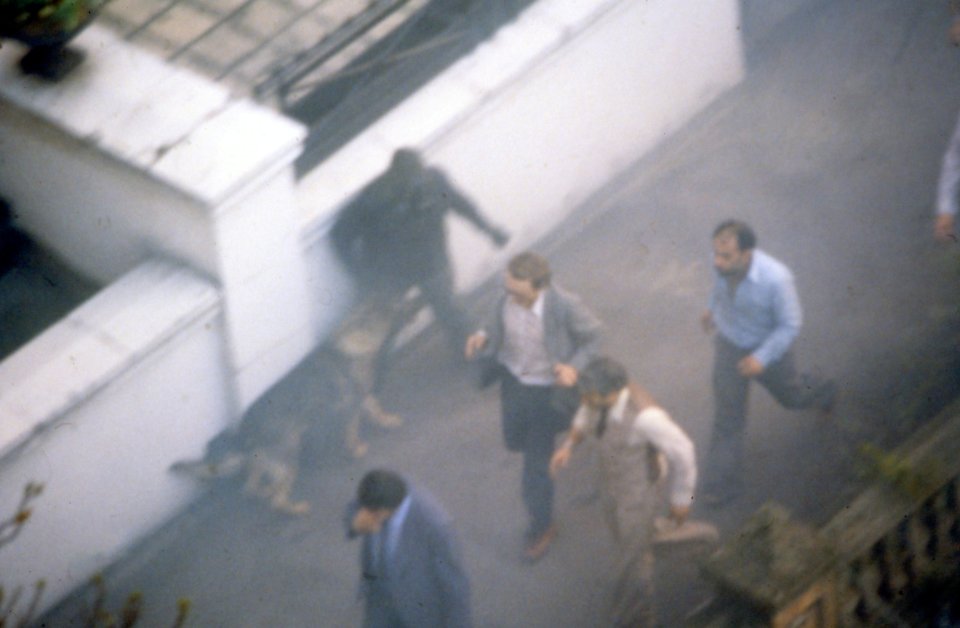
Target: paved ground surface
831	149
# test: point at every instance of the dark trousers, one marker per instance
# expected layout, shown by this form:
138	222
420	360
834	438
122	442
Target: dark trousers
724	470
436	291
530	425
381	611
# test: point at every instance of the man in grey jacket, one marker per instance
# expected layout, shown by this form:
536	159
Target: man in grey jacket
537	337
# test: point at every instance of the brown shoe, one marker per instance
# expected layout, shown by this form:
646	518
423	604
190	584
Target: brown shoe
538	546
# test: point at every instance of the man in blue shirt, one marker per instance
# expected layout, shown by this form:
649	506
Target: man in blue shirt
755	310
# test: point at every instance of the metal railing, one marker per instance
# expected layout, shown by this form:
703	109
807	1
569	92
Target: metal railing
286	74
258	47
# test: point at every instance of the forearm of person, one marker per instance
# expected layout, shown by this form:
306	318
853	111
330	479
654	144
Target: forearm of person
714	295
585	330
776	344
948	185
789	319
586	351
664	434
683	482
488	323
574	438
460	203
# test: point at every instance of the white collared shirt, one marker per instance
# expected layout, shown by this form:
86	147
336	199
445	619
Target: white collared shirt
655	426
524	350
393	526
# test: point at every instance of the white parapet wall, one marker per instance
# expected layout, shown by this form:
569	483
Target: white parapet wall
542	115
130	157
96	409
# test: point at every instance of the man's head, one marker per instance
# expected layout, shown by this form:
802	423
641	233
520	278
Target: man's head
733	244
379	493
406	163
601	381
528	274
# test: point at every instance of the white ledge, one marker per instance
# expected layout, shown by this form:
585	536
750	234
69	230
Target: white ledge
175	126
95	344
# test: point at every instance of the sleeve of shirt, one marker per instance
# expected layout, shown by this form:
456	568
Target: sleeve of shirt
581	420
584	328
659	429
714	293
789	317
456	200
948	187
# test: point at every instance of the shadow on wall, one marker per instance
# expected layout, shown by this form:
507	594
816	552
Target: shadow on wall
760	20
432	39
36	288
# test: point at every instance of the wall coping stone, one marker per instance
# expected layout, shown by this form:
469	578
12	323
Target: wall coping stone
96	344
173	125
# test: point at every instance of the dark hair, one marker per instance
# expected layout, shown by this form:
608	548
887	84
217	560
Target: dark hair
528	266
602	376
381	489
746	238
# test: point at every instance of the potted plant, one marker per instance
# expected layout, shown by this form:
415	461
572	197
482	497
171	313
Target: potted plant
47	26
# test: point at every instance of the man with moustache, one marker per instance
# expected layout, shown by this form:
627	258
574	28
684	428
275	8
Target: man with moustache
538	337
632	434
755	309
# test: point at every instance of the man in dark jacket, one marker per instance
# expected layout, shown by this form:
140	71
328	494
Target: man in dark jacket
411	571
393	237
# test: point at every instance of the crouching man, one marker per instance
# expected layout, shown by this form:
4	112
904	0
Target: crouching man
634	436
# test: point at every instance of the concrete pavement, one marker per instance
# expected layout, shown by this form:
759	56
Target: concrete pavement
831	149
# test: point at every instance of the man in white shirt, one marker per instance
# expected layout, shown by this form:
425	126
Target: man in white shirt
632	433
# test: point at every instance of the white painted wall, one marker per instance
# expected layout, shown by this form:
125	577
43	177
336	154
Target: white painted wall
130	157
542	115
100	215
263	270
97	408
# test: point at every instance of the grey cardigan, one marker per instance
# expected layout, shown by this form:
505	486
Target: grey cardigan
571	331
